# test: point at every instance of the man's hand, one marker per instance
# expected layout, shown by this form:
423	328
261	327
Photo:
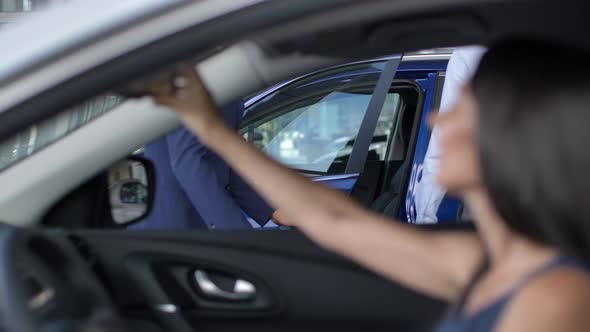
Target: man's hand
280	219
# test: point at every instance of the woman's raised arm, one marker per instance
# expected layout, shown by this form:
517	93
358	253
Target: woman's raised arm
436	264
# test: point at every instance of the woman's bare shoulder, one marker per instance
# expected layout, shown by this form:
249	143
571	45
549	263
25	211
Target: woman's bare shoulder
556	301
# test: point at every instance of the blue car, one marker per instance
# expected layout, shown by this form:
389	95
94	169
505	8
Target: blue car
360	128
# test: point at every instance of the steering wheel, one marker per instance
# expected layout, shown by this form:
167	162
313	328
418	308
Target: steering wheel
45	285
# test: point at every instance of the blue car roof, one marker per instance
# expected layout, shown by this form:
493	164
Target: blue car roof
409	64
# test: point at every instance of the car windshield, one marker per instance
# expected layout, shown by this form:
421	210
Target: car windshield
40	135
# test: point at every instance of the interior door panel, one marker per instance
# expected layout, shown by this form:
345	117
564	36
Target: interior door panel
298	286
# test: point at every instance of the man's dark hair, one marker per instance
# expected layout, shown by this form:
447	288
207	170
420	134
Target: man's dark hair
534	136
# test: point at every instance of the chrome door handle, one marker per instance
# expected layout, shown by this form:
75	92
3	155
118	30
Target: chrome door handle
242	290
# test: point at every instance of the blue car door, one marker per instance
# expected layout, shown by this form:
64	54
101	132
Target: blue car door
322	124
450	206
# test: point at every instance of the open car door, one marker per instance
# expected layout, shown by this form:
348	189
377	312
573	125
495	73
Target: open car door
247	281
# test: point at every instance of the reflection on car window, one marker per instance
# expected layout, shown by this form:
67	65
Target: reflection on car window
312	125
386	123
313	137
38	136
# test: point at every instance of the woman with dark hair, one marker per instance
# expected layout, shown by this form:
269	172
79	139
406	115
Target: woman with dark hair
513	149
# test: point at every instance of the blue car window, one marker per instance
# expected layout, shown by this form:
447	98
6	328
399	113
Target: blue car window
311	124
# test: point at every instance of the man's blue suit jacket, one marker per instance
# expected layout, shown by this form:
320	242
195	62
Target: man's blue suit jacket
196	189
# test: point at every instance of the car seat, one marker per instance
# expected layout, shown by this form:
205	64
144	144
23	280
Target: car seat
389	201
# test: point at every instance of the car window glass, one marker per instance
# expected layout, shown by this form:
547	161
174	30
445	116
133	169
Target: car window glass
38	136
313	137
312	124
385	125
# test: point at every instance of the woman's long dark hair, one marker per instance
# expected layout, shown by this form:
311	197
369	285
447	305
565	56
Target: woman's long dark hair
534	140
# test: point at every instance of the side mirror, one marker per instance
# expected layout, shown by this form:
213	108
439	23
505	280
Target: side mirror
131	189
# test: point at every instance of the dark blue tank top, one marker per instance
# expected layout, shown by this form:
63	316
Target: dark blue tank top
485	319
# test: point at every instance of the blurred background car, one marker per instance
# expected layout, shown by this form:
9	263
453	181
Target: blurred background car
311	124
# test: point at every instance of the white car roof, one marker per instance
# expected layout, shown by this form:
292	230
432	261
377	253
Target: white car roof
51	32
46	49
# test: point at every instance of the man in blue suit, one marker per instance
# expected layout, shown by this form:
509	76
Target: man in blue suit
196	189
